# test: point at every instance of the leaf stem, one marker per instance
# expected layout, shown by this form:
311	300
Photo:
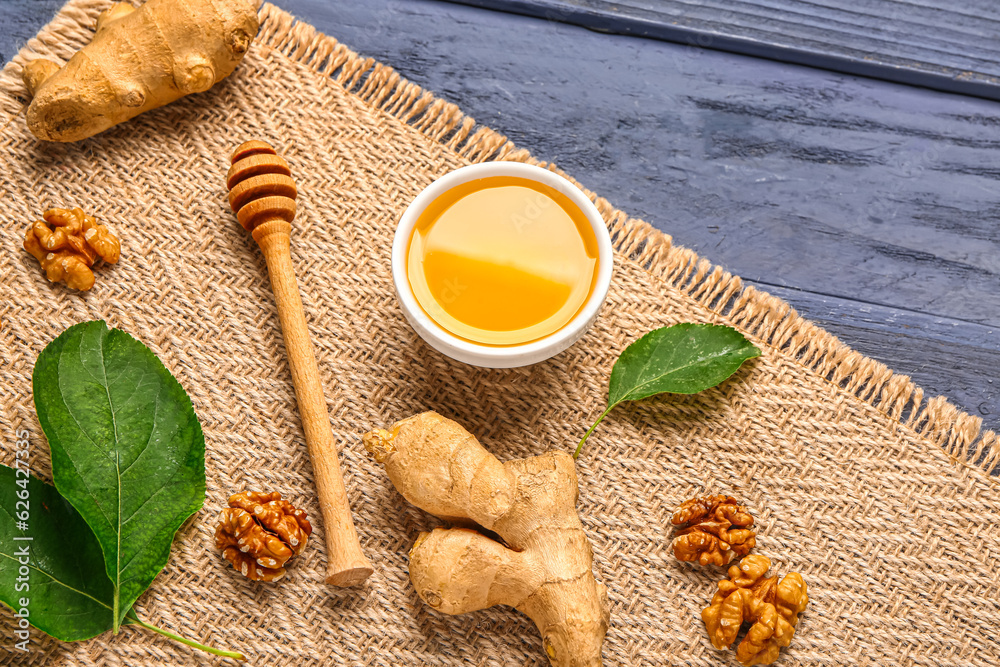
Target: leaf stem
579	448
208	649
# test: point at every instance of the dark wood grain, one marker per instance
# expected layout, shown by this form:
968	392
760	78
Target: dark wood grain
945	46
869	206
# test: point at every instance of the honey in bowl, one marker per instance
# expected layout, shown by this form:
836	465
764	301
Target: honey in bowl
502	260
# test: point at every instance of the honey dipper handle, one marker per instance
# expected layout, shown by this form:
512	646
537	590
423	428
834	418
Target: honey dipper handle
346	564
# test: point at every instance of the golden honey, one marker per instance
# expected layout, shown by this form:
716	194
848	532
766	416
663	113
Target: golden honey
502	260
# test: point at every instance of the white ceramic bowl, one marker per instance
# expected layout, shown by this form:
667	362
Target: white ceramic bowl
512	355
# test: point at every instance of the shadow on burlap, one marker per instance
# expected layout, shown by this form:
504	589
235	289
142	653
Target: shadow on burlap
884	501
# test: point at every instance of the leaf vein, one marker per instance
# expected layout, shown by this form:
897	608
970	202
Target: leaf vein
61	583
118	478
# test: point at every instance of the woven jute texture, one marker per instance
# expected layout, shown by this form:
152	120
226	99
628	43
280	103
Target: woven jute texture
887	503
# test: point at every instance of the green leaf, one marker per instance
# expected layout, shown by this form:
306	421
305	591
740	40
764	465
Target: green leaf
68	594
682	359
127	449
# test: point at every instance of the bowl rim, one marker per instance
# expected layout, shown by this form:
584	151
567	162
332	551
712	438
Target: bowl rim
510	355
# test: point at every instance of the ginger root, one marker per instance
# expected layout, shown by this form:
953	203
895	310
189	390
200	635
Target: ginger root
139	59
542	567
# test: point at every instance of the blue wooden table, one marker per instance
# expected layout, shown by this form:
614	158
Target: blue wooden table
871	206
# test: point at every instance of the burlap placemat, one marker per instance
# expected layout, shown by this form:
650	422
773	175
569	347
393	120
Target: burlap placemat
883	500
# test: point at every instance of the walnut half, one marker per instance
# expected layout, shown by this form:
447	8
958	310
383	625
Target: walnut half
712	530
772	609
67	243
259	533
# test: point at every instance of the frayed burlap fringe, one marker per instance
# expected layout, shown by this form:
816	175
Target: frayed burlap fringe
881	498
764	317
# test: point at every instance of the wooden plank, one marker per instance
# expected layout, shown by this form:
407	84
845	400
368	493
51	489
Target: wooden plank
869	206
951	48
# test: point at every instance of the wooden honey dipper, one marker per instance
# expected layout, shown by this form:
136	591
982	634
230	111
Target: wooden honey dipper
262	194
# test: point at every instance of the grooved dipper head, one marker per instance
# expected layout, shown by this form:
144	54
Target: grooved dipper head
260	185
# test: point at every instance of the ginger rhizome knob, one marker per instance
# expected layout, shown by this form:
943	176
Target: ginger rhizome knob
139	58
542	565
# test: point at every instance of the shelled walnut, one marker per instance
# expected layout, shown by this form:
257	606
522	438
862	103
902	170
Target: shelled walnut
712	530
259	533
67	243
772	609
